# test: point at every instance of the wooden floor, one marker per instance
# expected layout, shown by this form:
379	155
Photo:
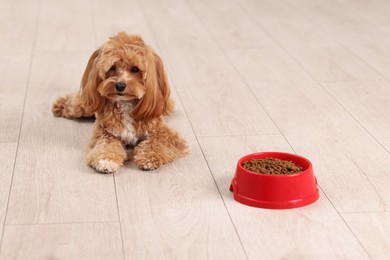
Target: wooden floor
301	76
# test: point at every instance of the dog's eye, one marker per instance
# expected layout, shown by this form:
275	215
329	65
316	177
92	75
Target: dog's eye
112	68
134	69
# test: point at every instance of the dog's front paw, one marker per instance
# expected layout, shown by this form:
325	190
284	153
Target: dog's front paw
59	106
148	164
106	166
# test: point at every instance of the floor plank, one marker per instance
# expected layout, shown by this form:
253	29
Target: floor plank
52	183
65	26
18	21
124	16
264	232
7	153
373	230
313	49
374	12
12	94
342	23
15	58
62	241
209	93
368	103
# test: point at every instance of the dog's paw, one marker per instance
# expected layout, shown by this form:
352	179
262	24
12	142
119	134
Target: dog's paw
106	166
148	165
59	107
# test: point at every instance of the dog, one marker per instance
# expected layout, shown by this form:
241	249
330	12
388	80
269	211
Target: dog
125	87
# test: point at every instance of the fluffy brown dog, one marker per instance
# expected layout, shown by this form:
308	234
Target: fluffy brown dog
125	86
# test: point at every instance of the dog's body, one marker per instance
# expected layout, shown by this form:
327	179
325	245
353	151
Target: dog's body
125	87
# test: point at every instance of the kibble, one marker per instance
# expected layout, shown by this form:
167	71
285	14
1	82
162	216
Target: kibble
272	166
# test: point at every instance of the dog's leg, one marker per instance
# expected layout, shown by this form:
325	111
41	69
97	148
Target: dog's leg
69	107
106	153
160	148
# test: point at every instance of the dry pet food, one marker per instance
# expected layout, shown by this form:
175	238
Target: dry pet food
271	166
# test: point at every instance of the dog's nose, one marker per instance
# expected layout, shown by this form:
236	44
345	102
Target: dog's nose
120	86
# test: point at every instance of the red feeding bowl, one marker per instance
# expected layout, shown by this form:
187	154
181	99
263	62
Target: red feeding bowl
275	191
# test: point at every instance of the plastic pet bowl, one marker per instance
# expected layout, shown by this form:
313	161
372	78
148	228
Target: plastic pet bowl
275	191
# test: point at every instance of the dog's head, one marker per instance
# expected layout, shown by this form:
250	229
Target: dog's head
125	69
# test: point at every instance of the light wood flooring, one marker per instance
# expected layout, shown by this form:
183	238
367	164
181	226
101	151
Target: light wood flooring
301	76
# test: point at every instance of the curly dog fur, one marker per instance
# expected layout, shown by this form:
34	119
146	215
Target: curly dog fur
125	86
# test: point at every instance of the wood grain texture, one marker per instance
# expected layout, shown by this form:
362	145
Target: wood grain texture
213	95
65	26
18	21
15	58
374	12
12	94
7	153
301	76
316	51
373	230
365	39
51	181
367	102
125	15
62	241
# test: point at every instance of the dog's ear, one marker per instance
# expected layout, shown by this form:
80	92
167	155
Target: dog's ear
91	100
156	100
